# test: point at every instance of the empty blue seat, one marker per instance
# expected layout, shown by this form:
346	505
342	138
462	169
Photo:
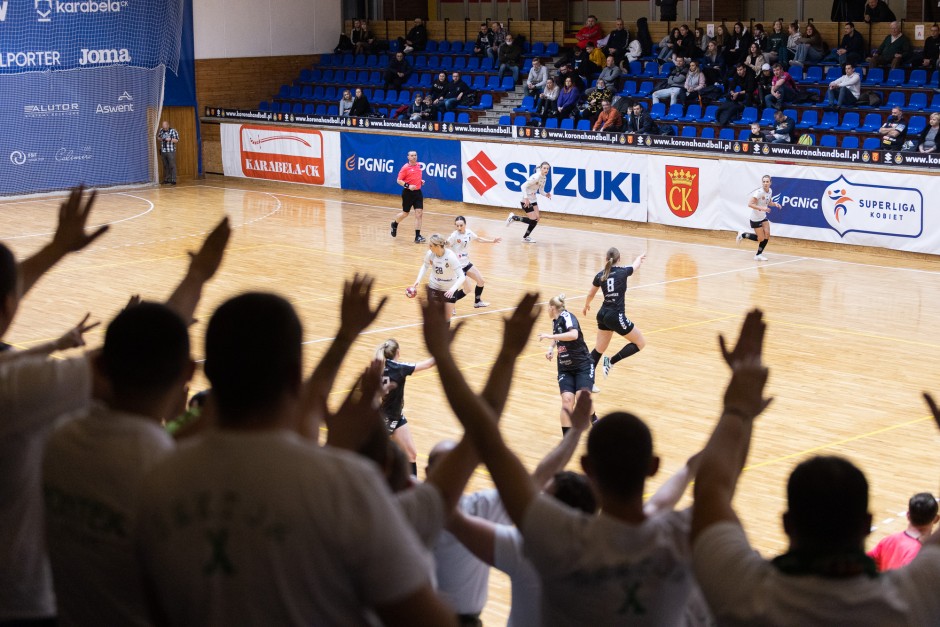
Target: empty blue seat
447	63
264	105
918	101
874	76
307	93
829	120
463	117
434	63
726	133
326	59
332	110
689	131
829	141
519	120
526	106
328	76
833	73
567	123
431	46
895	77
673	113
871	123
320	109
538	49
709	114
425	81
813	74
504	120
479	82
629	89
492	83
871	143
849	122
708	132
583	125
486	102
296	92
372	60
359	61
645	89
306	76
347	60
917	79
460	63
473	64
796	73
283	92
692	114
635	68
895	99
657	111
748	116
809	119
850	141
507	84
551	123
551	50
916	124
450	116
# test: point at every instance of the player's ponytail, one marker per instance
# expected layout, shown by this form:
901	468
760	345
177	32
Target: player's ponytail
558	302
386	350
613	256
436	240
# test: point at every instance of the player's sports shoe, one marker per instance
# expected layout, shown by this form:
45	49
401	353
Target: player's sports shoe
480	303
510	219
605	365
760	258
394	229
595	389
528	240
419	239
739	237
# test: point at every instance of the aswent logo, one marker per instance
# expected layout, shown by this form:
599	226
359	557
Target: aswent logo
104	57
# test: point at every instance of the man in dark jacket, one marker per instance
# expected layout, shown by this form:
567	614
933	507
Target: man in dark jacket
741	89
784	129
510	58
484	41
417	38
398	71
617	42
457	91
851	49
640	122
878	11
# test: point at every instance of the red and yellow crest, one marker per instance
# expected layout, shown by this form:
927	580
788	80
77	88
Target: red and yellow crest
682	190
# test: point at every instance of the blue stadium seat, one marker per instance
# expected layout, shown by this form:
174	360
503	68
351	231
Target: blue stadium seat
404	98
645	89
306	76
635	68
450	116
504	120
809	120
425	81
332	110
551	50
283	92
689	131
317	76
666	69
318	92
320	109
657	111
519	120
362	77
830	141
651	69
850	141
447	63
934	79
538	49
833	73
849	122
551	123
378	97
347	60
375	78
332	93
673	113
372	60
796	73
479	82
420	62
917	79
895	77
492	83
326	59
895	99
629	89
507	84
485	102
359	61
916	124
567	123
918	101
431	46
748	116
708	132
871	143
934	103
468	48
307	93
692	114
526	106
264	105
829	120
434	63
726	133
583	125
463	117
460	63
871	123
328	76
813	74
744	134
709	114
473	64
767	117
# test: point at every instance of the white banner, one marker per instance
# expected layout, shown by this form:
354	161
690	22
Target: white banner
274	153
864	208
682	192
582	182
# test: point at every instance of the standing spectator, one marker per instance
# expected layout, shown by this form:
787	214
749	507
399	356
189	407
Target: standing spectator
345	103
484	42
538	76
845	90
644	37
667	10
360	106
895	50
878	11
611	72
929	136
674	83
782	89
617	41
168	138
398	71
457	90
546	104
810	49
591	32
417	38
900	549
510	58
784	131
567	102
894	130
776	43
609	119
927	59
851	49
741	88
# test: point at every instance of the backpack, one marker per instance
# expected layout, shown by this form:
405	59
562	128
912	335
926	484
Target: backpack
869	99
805	140
469	99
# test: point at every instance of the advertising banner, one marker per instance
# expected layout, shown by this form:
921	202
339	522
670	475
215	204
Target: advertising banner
684	192
582	182
880	209
275	153
371	163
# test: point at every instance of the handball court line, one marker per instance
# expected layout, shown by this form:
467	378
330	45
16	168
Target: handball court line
96	226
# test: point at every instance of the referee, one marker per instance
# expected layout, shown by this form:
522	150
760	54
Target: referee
409	178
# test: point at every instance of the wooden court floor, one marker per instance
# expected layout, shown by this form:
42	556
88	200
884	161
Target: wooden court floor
852	337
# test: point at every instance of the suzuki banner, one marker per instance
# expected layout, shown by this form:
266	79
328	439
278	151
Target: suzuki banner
684	192
371	163
582	182
880	209
284	154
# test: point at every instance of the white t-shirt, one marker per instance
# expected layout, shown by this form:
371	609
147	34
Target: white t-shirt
462	579
445	270
597	570
34	391
742	588
533	186
460	244
508	556
264	528
92	477
762	198
423	507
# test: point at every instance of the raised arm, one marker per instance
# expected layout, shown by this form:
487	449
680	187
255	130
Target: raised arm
934	538
638	261
558	457
476	534
726	451
73	338
202	266
70	236
669	493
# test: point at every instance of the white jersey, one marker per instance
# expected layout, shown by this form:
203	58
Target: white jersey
460	244
534	186
446	270
761	199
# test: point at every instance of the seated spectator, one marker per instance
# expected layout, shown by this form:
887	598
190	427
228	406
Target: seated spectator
457	91
593	99
611	72
416	39
567	71
667	45
775	45
756	134
738	45
591	32
567	103
634	52
927	58
845	90
755	59
784	131
360	106
741	90
417	110
345	103
878	11
701	38
694	84
793	40
595	55
894	130
824	578
900	549
546	104
810	49
640	122
712	63
398	71
484	42
686	44
510	59
439	90
782	88
617	42
928	137
499	36
759	37
362	38
609	119
675	82
538	76
583	65
851	49
722	39
765	82
895	50
345	41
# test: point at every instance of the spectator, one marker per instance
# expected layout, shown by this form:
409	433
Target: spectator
694	84
738	46
900	549
417	38
398	71
360	106
595	55
722	38
793	40
567	71
755	59
457	90
895	50
810	49
667	45
499	36
765	82
851	49
686	44
712	63
510	58
594	97
362	39
567	103
538	76
591	32
484	42
784	131
419	109
608	119
782	89
634	52
547	100
701	38
640	122
617	42
756	134
439	90
611	72
345	43
345	103
928	137
878	11
894	130
674	83
775	45
643	36
927	58
759	37
583	65
667	10
845	90
741	88
825	578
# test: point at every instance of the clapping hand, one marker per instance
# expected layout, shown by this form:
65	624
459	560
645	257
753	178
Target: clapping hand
355	312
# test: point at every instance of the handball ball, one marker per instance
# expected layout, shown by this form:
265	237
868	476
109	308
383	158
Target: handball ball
411	292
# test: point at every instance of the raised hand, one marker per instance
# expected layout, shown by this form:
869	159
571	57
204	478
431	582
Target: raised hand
750	341
70	235
355	312
438	334
580	414
204	264
360	413
745	392
518	326
73	338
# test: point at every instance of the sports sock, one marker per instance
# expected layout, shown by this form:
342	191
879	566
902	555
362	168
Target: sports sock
532	225
762	246
564	431
626	351
596	357
477	293
414	469
750	236
417	232
526	220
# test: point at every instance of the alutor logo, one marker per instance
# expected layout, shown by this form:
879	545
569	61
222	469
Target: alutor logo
104	57
46	8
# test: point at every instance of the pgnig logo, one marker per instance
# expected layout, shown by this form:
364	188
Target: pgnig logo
370	164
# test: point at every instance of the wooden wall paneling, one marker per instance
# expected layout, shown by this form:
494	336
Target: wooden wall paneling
183	119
